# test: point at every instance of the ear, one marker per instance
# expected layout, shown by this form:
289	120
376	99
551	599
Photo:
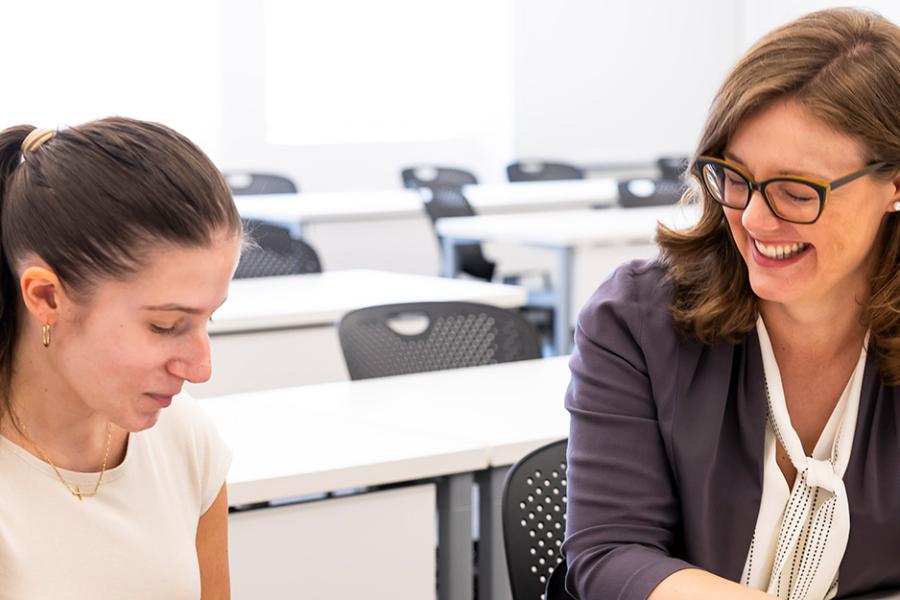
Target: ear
897	187
42	293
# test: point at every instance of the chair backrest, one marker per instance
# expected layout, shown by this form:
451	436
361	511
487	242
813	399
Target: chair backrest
672	167
396	339
542	171
445	201
425	175
533	508
275	252
556	586
649	192
242	184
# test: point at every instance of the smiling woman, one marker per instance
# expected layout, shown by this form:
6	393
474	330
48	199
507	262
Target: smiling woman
757	359
119	239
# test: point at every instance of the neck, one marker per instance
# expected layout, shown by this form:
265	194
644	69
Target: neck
54	418
819	331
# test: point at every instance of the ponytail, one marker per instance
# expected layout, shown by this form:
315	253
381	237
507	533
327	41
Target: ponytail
10	156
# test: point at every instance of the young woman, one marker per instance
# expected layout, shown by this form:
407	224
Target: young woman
734	406
119	238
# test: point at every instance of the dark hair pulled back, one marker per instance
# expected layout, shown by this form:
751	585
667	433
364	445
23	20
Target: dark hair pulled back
92	199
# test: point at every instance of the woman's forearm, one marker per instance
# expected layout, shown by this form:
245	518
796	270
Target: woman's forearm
696	584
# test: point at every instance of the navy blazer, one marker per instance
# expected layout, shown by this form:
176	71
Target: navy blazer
665	458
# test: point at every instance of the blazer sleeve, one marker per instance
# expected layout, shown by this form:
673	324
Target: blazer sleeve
623	509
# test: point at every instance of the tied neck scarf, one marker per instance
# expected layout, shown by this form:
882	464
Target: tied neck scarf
816	522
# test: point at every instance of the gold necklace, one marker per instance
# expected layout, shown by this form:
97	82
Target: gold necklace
76	491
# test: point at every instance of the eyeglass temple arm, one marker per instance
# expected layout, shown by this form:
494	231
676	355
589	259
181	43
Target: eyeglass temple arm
853	176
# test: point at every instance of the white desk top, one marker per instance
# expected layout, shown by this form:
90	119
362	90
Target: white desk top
319	207
534	195
511	408
506	410
612	226
322	299
283	449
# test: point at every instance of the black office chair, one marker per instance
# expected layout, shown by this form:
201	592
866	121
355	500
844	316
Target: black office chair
422	176
635	193
395	339
444	201
274	252
242	184
533	508
542	171
672	168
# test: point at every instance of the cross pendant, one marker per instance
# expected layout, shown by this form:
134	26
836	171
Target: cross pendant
78	493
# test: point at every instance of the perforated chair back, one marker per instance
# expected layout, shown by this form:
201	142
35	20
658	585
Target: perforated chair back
242	184
274	252
446	201
672	167
396	339
425	175
649	192
533	508
556	586
542	171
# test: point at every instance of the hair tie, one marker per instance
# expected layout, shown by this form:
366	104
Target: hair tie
34	139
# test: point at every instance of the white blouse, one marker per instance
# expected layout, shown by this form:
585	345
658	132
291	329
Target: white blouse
801	533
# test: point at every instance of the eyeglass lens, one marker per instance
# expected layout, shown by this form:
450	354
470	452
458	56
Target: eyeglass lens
792	200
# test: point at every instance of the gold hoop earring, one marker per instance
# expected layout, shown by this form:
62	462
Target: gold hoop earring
45	335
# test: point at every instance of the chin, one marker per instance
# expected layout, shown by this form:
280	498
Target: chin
770	291
139	422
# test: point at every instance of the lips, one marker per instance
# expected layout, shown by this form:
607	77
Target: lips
778	254
163	400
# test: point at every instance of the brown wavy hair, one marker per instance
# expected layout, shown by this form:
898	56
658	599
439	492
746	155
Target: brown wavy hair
843	66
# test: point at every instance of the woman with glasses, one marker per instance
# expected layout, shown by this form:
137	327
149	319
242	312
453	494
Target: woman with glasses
735	420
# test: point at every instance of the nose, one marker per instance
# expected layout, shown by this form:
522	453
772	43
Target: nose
758	216
193	363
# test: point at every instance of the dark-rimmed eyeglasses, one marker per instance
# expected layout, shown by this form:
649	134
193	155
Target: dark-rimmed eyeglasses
792	199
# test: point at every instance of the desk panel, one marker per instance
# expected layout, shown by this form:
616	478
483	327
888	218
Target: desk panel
374	545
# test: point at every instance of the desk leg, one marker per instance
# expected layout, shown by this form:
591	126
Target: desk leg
449	266
564	283
455	537
493	576
297	230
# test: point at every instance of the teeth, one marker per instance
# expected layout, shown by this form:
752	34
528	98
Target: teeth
779	251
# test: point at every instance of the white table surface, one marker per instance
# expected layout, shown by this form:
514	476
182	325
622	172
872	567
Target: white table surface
572	228
318	207
283	448
506	410
510	408
323	298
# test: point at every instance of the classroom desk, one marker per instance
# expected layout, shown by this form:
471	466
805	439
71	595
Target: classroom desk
283	449
564	232
504	410
389	230
296	211
280	331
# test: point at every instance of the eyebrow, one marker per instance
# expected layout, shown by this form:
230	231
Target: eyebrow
795	173
172	307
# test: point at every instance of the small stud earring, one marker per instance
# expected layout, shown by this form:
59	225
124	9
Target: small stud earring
45	335
897	206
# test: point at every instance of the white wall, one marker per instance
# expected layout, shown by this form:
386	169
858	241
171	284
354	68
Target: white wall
68	62
364	165
581	80
628	81
617	81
